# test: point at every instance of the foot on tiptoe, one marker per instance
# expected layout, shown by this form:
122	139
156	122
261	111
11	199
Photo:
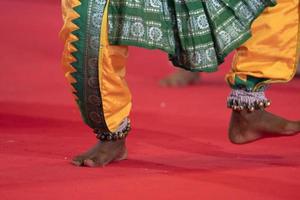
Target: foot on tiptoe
180	78
247	127
102	154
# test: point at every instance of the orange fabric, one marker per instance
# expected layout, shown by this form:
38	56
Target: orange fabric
116	97
272	52
66	35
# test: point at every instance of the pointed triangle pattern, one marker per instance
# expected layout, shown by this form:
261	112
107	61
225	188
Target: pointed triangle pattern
70	39
73	33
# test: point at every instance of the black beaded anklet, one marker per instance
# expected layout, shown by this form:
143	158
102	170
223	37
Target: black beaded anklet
121	133
240	100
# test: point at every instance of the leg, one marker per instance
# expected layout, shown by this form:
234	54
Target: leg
96	71
269	56
180	78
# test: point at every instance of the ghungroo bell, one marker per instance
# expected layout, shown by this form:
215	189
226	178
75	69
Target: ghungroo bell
240	100
120	134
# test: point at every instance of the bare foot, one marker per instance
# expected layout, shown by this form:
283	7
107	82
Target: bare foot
180	78
102	154
247	127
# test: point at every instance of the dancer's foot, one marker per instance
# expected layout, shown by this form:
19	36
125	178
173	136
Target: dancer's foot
102	154
180	78
247	127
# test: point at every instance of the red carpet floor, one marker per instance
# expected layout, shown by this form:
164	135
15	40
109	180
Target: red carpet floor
178	148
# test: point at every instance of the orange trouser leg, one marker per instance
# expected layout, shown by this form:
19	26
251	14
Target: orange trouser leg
271	55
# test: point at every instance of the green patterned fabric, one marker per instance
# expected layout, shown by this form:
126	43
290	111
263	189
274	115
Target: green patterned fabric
251	84
87	62
197	34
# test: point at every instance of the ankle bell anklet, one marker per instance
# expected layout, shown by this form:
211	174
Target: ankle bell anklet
239	100
121	133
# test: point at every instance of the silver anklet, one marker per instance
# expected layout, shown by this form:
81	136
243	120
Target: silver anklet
121	133
239	100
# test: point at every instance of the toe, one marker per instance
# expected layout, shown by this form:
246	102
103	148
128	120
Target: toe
96	162
89	163
77	163
78	160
